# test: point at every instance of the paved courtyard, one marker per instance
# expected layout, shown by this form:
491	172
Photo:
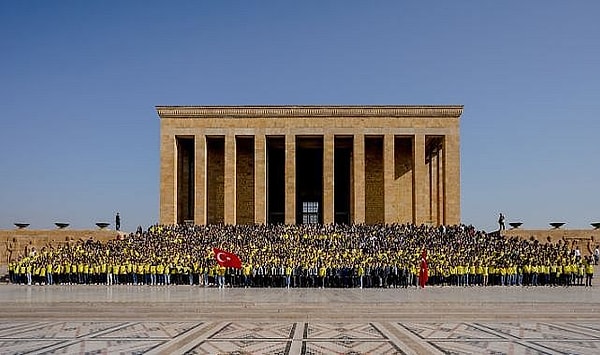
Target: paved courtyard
195	320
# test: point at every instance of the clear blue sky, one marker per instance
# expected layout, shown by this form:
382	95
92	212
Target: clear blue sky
79	81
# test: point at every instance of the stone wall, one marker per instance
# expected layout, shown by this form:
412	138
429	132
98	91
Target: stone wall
244	181
20	239
575	237
215	181
374	189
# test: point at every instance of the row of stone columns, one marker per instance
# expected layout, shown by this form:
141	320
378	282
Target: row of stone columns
434	184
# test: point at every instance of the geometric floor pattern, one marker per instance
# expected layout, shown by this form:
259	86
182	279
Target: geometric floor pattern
508	338
191	337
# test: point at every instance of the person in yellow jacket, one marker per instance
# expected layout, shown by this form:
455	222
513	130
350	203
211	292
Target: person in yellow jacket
453	275
57	270
527	274
36	273
559	274
460	273
471	269
42	273
134	273
28	272
160	274
322	275
221	276
87	270
197	270
512	275
129	272
212	275
49	270
580	273
153	274
503	275
546	274
553	268
123	273
173	273
589	272
74	275
567	275
116	271
11	272
109	273
246	273
479	274
485	275
80	273
147	275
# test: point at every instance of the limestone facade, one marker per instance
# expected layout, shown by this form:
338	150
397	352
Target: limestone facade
293	164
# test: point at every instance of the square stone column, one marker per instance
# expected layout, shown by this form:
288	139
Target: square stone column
420	181
390	196
200	179
441	191
328	179
229	200
290	179
260	179
358	188
168	179
435	188
451	162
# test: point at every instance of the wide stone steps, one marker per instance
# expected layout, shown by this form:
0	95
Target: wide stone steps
448	311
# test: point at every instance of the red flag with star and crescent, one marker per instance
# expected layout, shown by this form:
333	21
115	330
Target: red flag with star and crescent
227	259
423	270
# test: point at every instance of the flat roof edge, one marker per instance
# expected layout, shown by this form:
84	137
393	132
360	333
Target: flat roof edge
452	111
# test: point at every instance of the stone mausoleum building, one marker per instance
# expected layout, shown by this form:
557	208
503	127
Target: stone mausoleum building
309	164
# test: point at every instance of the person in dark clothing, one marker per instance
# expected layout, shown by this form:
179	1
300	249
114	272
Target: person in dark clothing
118	222
501	223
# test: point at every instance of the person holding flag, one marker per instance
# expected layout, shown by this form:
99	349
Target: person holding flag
225	259
423	271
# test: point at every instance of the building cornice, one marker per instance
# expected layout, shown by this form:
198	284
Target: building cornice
446	111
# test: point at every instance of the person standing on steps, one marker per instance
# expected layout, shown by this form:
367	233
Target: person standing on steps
118	222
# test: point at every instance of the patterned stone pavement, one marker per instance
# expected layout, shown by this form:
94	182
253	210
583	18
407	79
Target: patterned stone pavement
103	337
553	322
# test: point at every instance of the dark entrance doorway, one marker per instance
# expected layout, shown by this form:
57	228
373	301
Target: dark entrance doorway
185	179
275	180
309	180
342	181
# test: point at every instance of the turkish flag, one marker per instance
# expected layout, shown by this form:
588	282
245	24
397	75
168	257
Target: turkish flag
227	259
423	271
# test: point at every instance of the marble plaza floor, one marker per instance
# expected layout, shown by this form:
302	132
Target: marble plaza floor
196	320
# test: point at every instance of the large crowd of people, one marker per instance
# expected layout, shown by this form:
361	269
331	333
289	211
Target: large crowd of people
343	256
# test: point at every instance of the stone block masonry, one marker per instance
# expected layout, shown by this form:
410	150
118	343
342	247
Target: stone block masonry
397	164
